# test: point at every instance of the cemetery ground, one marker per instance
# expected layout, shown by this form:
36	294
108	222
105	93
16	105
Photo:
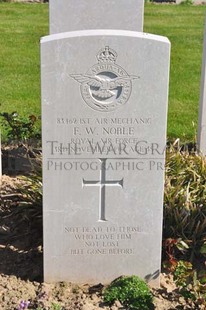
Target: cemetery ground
184	236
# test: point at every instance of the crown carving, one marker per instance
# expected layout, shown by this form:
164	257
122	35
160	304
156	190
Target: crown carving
107	55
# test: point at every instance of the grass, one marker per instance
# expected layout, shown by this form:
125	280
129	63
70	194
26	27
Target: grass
22	25
184	26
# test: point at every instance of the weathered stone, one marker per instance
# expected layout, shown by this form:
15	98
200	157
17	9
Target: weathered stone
104	118
201	138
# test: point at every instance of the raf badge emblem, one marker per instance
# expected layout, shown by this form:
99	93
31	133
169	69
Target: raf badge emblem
105	86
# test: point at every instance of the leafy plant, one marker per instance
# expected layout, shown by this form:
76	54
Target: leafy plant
20	128
182	272
192	284
131	291
186	2
55	306
185	199
172	247
30	200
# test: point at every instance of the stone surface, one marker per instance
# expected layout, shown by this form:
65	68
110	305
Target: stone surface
71	15
104	112
0	160
201	138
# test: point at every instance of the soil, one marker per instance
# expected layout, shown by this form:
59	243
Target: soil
21	262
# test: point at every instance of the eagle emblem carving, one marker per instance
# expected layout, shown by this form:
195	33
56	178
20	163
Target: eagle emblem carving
107	86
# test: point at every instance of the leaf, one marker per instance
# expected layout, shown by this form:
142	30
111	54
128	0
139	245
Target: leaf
182	246
203	249
33	118
203	280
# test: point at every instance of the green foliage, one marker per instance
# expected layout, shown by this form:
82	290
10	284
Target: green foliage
19	128
55	306
131	291
184	26
186	2
21	26
182	272
185	199
32	189
171	246
203	248
29	207
192	284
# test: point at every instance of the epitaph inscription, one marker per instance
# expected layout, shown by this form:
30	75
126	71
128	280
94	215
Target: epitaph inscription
99	240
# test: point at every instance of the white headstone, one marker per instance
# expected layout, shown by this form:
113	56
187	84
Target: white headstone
71	15
201	138
104	119
0	161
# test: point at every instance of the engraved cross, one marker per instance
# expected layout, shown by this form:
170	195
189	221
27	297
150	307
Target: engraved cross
102	183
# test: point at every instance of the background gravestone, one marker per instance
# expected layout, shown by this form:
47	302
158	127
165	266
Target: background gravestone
71	15
104	114
201	139
0	161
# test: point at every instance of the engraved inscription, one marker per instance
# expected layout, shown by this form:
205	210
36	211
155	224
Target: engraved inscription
117	135
104	121
106	137
103	240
